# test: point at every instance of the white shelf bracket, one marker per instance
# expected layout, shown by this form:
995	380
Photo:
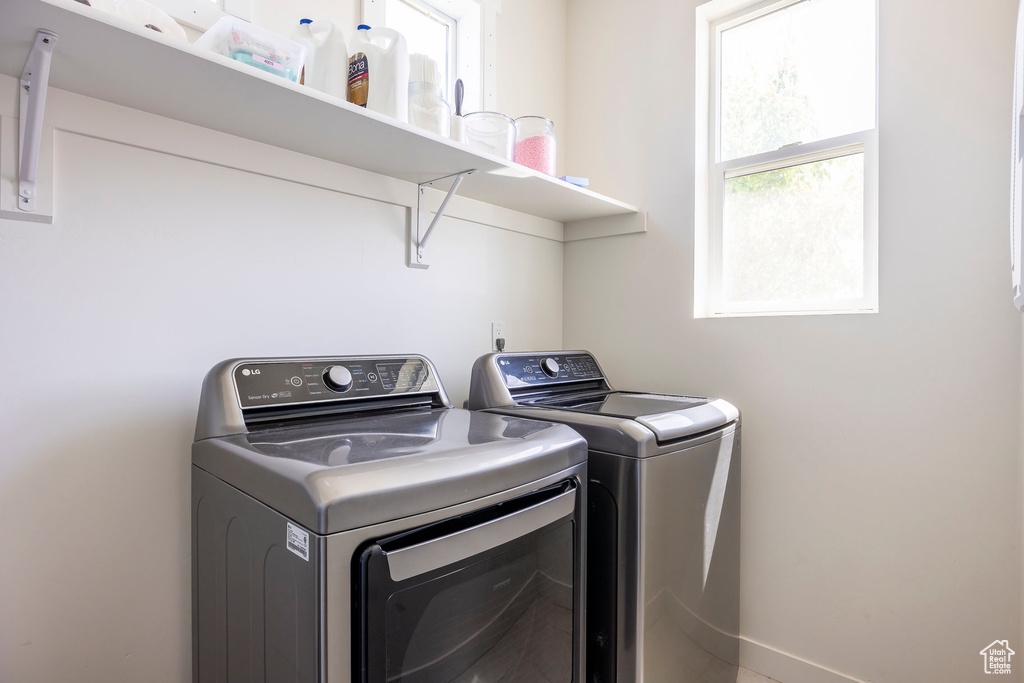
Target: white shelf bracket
32	101
417	235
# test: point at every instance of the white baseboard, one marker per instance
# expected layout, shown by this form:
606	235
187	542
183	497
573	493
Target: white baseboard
787	668
754	656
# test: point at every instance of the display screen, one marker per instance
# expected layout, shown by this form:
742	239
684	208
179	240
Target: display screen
402	375
582	367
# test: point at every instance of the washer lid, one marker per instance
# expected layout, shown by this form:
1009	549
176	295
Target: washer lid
669	417
346	473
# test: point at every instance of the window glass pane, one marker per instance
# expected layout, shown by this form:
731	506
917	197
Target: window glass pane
423	33
800	74
795	234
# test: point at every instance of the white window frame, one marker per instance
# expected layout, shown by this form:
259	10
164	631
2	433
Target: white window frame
474	42
431	11
711	173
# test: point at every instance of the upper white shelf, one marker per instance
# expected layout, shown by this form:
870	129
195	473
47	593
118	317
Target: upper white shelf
100	56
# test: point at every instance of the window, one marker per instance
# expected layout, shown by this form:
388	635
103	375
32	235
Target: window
458	34
787	195
427	31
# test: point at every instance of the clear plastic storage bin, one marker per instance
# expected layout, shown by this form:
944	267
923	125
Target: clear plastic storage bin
247	43
535	143
428	109
491	132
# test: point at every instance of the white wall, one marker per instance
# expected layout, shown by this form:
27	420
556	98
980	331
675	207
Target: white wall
163	260
880	517
284	16
531	65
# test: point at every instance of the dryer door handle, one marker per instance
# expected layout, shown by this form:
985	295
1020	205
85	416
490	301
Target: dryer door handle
409	562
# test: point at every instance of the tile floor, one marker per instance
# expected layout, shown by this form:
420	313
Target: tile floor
748	676
681	660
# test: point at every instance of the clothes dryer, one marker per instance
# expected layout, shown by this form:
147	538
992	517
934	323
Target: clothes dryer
663	518
349	525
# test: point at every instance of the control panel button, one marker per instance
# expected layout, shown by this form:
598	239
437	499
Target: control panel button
550	367
338	378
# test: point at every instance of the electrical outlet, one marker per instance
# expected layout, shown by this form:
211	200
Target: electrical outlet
497	332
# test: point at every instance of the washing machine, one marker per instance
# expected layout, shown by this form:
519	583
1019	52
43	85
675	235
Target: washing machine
663	517
350	525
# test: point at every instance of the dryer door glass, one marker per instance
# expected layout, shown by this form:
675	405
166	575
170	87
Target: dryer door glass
504	612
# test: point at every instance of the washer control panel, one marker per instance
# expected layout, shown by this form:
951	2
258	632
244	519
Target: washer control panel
277	383
522	370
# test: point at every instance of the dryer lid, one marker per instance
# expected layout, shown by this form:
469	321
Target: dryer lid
346	473
670	417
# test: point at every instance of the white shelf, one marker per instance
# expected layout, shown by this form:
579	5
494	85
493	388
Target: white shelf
100	56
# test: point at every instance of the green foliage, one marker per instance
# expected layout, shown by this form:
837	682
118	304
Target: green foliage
793	233
762	110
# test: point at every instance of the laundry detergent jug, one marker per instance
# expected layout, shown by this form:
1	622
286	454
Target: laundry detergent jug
326	56
378	71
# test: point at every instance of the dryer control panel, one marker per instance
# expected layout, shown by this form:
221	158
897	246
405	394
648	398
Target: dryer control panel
523	370
276	383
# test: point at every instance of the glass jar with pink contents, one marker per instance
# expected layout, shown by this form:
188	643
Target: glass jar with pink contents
535	143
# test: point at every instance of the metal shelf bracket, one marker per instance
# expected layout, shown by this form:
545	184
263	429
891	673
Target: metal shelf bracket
32	101
417	236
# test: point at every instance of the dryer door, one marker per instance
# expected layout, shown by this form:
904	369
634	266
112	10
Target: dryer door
485	597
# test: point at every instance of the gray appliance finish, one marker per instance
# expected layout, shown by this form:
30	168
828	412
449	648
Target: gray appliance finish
322	487
663	514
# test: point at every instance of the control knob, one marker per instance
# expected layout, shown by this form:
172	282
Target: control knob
338	378
550	367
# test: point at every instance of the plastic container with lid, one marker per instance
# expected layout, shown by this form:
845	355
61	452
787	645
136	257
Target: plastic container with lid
491	132
378	71
427	107
255	46
535	143
326	67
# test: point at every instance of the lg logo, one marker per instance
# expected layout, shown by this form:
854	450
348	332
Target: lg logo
246	372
